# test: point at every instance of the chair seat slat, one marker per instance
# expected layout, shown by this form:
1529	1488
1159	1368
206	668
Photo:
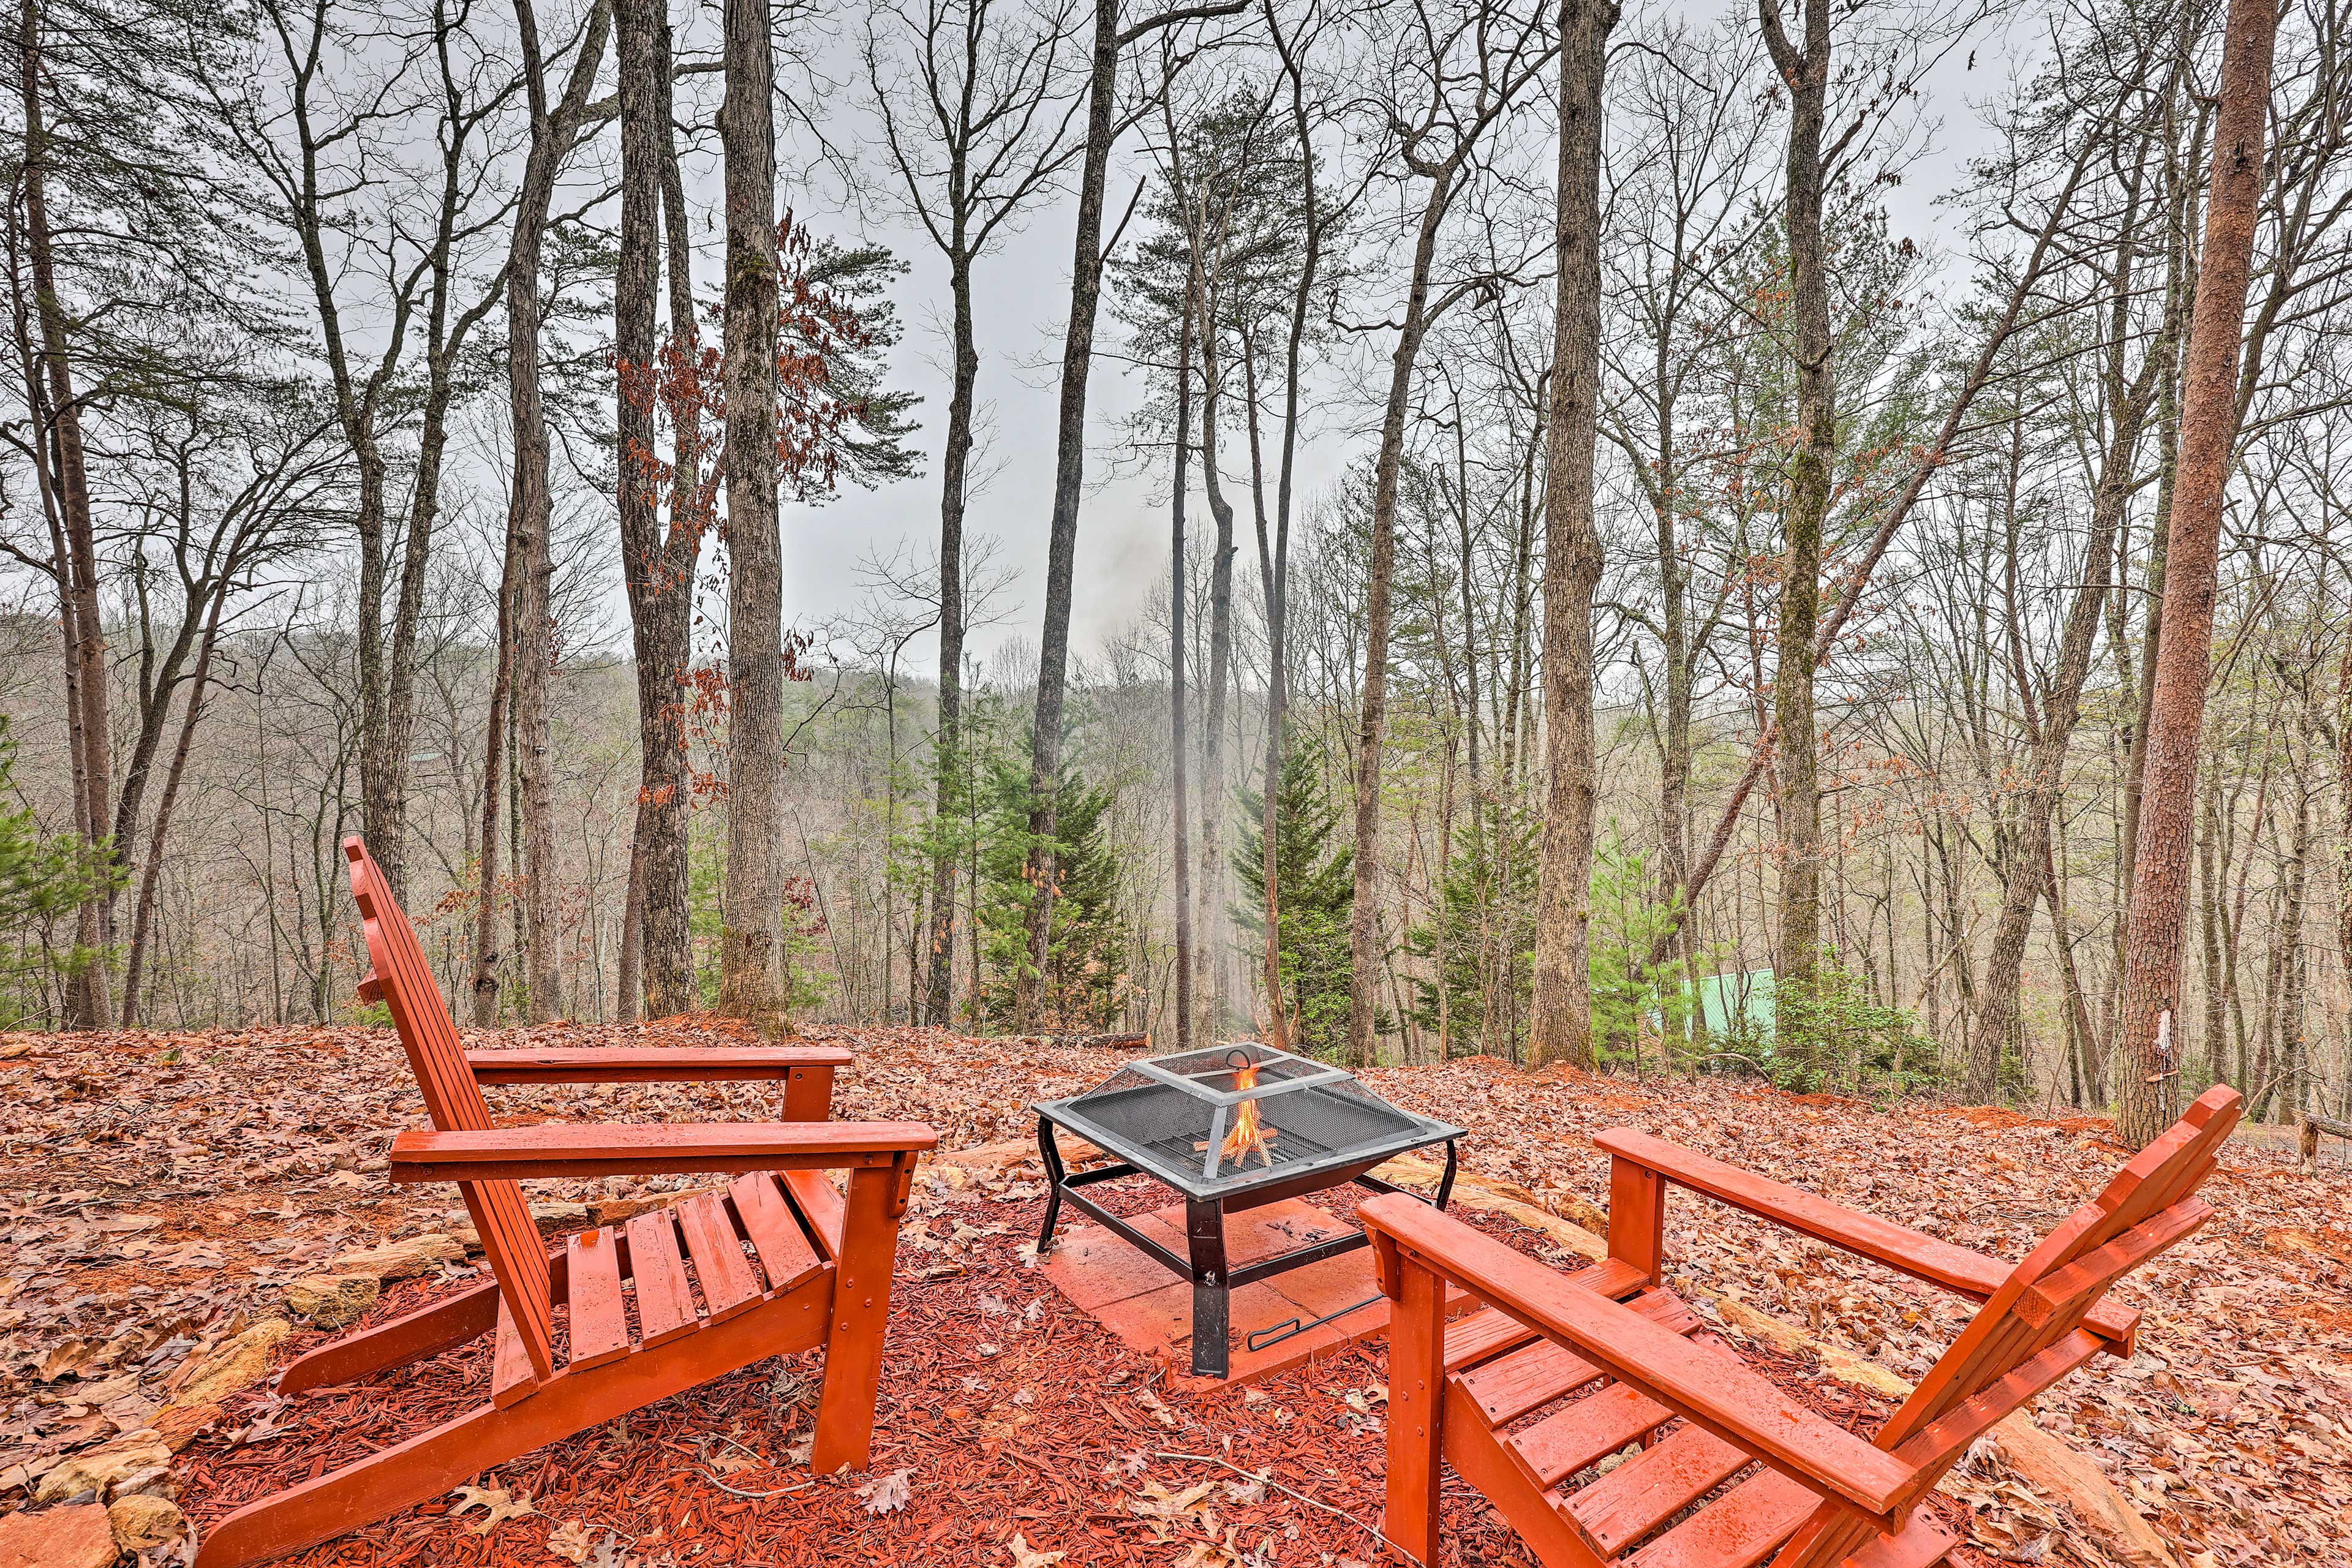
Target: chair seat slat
1653	1487
728	1285
600	1324
775	1231
1741	1529
820	1204
1585	1433
665	1301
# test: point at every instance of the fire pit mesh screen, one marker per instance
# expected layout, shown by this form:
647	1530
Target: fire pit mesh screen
1234	1111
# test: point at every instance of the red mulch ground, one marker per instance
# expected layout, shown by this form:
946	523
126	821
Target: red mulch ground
240	1161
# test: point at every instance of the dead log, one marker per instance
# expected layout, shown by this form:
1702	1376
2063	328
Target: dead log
2313	1126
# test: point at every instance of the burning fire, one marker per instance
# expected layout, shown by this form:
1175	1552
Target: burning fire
1248	1136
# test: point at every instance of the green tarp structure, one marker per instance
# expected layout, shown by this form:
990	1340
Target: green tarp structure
1733	1004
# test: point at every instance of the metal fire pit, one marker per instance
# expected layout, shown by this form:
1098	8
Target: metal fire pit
1169	1118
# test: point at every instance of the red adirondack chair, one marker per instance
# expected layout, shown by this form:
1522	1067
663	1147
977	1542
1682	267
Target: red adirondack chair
779	1262
1622	1358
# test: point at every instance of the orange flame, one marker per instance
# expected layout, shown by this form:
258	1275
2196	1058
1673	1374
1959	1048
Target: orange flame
1247	1137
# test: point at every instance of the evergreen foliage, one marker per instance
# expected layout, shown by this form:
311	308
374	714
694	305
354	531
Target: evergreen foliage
1486	929
1086	980
1316	888
1631	996
43	878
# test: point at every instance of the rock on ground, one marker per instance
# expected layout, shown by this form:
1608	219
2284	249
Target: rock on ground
231	1367
402	1259
77	1537
144	1523
104	1468
330	1300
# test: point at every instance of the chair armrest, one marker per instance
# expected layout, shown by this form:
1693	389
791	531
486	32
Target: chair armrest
1913	1252
1899	1248
1703	1385
640	1149
652	1064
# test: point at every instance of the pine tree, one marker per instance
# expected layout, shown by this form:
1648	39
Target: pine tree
44	877
1631	995
1487	916
1086	980
1317	887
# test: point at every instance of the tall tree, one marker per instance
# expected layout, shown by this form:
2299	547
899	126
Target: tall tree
977	116
1472	61
1562	1014
2141	131
1103	126
750	943
1318	215
554	127
2209	412
657	565
1805	74
61	466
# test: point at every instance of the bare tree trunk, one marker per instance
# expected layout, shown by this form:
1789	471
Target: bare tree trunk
552	130
656	977
1275	565
1364	943
2208	424
749	948
1806	75
637	276
1069	488
1210	892
2045	774
494	790
668	961
1069	477
1562	1021
87	1004
1180	738
143	913
954	466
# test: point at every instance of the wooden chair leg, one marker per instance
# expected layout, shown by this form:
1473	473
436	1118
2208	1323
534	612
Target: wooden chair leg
861	1312
1416	1395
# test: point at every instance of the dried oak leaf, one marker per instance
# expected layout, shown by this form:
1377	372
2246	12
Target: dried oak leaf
497	1504
889	1494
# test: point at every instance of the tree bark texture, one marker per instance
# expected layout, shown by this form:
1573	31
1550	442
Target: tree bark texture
955	463
2149	1084
750	947
1562	1019
658	571
494	791
1069	488
65	475
552	130
1365	945
1806	75
1180	738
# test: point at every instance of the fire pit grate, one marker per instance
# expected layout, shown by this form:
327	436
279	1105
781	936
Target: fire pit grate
1231	1128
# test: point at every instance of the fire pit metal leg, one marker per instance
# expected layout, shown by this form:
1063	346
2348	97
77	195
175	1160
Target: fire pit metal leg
1051	1153
1205	1235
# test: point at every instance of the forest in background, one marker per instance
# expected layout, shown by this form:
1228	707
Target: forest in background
383	456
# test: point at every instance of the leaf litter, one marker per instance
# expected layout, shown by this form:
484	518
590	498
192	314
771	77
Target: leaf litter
160	1191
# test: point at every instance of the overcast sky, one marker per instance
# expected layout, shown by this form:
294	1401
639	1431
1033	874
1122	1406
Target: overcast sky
1021	295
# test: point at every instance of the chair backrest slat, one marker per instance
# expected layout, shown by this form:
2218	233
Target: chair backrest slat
2149	1205
403	980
